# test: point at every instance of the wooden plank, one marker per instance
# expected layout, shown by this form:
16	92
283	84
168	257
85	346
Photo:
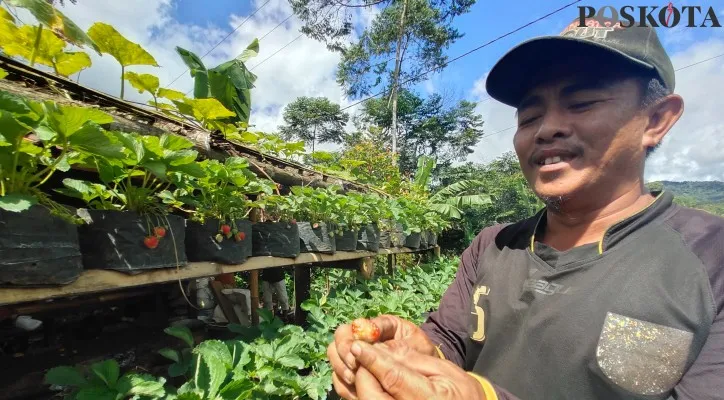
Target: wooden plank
226	306
254	289
94	281
302	286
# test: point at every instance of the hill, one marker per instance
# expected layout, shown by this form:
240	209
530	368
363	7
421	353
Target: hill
702	191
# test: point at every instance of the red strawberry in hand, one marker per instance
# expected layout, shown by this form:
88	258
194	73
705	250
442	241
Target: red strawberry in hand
151	242
159	231
240	236
364	329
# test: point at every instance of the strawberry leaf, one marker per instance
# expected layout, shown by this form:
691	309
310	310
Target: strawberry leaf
107	371
182	333
65	376
171	354
141	385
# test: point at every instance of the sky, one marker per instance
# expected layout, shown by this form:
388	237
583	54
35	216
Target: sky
693	149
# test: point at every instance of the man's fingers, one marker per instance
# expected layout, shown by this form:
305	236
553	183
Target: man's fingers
338	366
388	326
418	362
369	387
343	390
393	376
343	338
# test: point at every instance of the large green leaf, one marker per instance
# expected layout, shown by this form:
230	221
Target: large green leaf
143	82
13	103
198	72
96	393
91	139
175	142
3	73
182	333
56	21
237	389
110	41
132	143
216	349
68	63
22	43
11	129
170	94
107	370
211	375
204	109
17	202
252	50
66	120
171	354
141	385
231	83
65	376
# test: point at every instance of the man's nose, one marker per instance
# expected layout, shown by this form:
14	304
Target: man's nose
554	125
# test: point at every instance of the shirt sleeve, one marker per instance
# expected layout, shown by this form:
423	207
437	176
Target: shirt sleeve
447	327
703	380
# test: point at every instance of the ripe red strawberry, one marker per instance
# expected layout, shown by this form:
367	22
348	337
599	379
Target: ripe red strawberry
225	229
159	231
150	241
364	329
240	236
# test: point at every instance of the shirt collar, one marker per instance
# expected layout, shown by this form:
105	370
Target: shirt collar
621	229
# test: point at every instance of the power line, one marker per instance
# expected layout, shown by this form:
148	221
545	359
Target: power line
676	70
467	53
224	39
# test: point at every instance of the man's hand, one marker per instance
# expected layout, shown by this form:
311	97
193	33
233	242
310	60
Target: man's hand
396	371
392	330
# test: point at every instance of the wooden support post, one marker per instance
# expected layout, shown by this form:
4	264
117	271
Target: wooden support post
367	267
254	289
226	305
391	264
436	251
302	285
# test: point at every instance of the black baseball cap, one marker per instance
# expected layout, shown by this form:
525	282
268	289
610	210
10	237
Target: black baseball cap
637	46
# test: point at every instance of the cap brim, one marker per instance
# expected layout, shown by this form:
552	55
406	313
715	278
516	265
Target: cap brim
509	78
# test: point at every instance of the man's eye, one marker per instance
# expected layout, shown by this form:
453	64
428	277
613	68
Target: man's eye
581	105
527	120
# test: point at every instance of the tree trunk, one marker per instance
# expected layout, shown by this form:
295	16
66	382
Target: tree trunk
396	75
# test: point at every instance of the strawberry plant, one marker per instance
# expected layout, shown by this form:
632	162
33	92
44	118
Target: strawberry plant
278	208
316	205
37	139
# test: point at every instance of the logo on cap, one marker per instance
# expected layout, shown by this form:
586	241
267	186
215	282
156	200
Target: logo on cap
592	29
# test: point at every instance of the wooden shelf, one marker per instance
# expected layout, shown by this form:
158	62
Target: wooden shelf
94	281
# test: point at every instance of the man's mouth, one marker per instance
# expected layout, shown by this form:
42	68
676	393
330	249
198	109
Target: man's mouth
554	160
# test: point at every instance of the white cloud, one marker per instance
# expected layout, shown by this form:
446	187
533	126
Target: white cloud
304	68
692	150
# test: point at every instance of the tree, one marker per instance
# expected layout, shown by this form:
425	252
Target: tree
413	33
425	127
312	118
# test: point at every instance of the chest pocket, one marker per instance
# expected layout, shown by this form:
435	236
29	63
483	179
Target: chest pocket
642	357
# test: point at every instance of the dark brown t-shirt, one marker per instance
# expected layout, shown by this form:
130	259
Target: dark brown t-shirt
638	315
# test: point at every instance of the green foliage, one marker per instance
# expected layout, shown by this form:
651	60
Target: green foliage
222	192
426	127
26	163
314	119
230	83
267	143
3	73
126	52
103	381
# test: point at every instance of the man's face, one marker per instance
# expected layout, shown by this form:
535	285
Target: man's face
580	137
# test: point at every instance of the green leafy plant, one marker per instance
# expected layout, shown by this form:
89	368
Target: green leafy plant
51	18
183	360
230	82
127	53
49	50
222	193
37	139
278	208
150	83
317	205
103	381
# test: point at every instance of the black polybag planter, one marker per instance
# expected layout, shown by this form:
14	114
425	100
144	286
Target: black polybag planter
385	239
316	240
413	240
431	239
277	239
201	244
398	236
114	240
37	248
423	240
347	241
368	238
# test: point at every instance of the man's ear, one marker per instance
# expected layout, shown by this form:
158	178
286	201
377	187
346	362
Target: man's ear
662	116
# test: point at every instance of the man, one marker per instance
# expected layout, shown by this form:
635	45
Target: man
609	292
272	281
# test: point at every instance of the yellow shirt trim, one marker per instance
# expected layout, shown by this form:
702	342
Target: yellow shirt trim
487	387
439	352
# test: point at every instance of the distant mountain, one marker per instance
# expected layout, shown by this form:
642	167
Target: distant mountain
711	192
